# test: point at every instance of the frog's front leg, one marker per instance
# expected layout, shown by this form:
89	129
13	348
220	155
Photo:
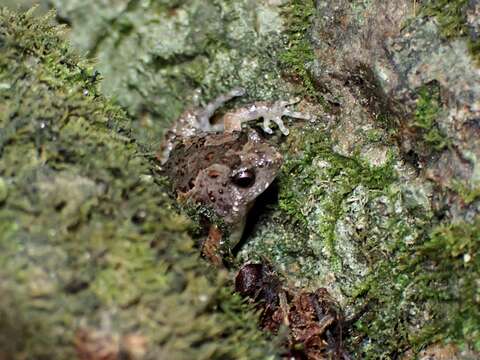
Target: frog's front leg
212	244
204	115
269	111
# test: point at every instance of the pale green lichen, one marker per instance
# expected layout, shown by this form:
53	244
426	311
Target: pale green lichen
159	59
451	17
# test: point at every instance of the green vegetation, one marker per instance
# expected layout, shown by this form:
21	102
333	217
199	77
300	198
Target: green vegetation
468	193
426	114
424	293
301	181
421	286
299	53
451	18
88	237
445	270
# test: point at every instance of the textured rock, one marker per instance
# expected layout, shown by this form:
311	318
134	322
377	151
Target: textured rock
378	199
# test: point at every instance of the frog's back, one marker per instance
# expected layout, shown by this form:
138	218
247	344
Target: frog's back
199	152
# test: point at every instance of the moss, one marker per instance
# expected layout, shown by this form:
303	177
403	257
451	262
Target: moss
299	54
467	192
340	177
424	293
446	269
87	236
426	114
451	17
159	58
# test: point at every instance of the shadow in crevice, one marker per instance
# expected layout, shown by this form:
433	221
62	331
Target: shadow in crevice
260	210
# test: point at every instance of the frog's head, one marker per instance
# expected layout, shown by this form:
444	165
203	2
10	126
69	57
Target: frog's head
230	185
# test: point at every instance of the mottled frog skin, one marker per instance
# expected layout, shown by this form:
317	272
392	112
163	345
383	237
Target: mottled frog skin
222	166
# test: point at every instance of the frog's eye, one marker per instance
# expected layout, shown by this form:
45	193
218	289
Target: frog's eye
244	178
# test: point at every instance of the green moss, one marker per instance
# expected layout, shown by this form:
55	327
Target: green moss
468	193
424	293
340	177
426	114
451	17
446	269
299	54
87	236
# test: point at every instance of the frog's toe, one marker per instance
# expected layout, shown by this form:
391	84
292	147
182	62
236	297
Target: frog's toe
297	115
266	126
278	120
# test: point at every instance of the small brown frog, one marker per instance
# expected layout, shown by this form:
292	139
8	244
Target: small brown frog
222	167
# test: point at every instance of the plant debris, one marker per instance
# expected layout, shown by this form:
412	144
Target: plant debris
314	321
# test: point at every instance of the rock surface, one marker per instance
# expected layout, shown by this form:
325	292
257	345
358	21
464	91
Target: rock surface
378	199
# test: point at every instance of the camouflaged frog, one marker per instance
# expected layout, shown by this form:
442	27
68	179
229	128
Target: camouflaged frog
222	167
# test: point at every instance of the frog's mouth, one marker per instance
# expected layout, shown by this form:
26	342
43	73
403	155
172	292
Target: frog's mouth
225	240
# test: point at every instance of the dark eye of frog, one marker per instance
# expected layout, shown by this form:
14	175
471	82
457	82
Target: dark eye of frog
244	178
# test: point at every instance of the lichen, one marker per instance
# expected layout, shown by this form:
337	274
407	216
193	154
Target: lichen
319	191
157	59
451	17
365	231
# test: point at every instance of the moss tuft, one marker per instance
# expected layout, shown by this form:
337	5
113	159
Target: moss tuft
425	293
446	269
466	192
426	114
299	54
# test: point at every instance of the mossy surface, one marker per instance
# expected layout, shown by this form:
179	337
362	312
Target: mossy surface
159	58
425	293
298	55
452	19
449	15
335	216
427	111
88	238
364	229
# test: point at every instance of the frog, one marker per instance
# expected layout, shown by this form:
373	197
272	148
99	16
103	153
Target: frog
223	167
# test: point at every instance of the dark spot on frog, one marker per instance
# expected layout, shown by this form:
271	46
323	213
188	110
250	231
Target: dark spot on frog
211	197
